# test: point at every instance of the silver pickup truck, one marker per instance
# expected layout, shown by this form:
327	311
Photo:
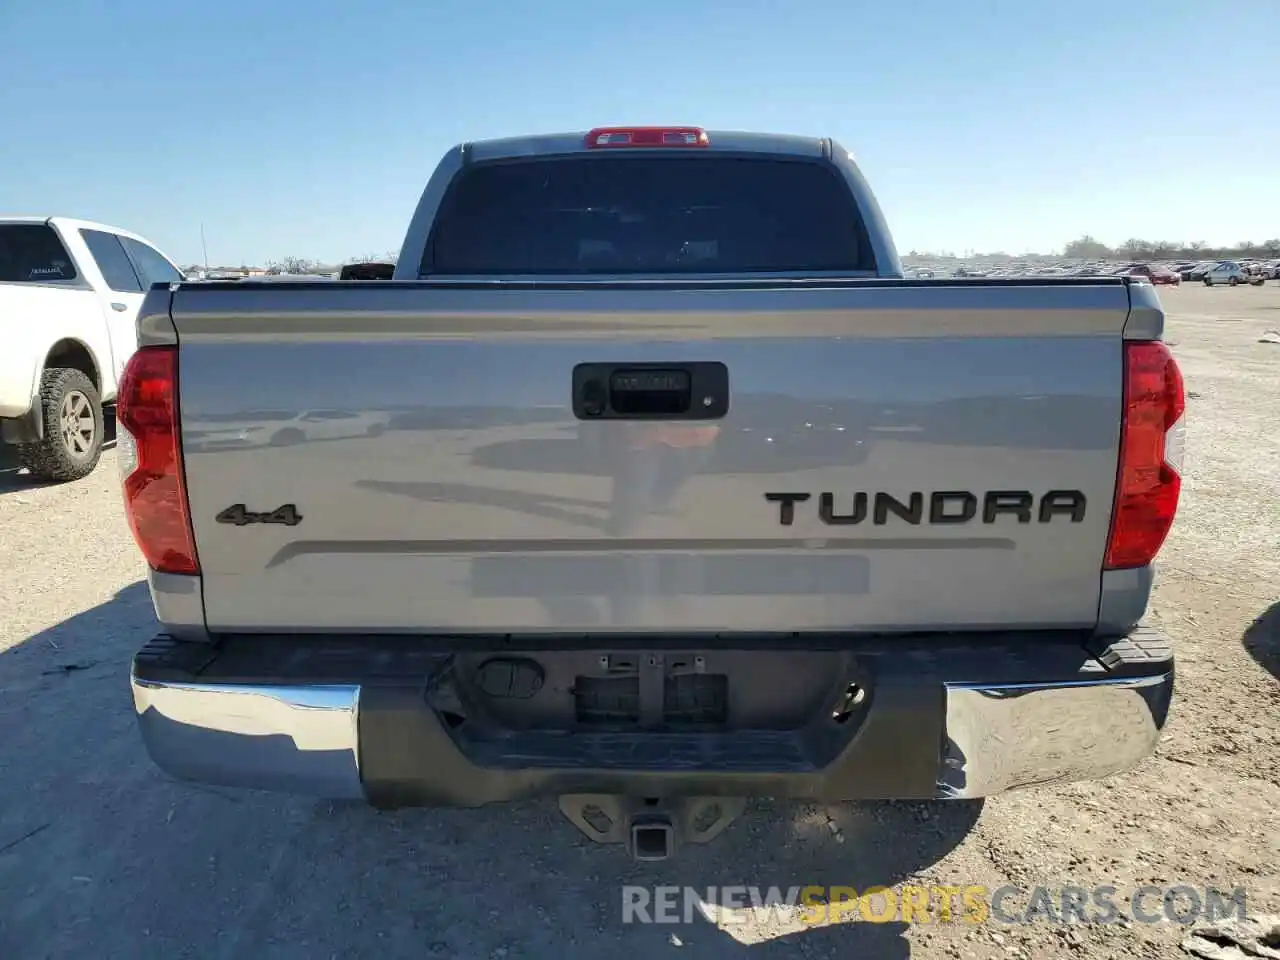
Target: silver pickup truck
650	484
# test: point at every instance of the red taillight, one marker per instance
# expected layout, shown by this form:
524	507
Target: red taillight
647	137
1152	437
155	491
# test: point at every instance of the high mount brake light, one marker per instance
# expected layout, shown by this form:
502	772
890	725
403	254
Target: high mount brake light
155	488
603	137
1152	441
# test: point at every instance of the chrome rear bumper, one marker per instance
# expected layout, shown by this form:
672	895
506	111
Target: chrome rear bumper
921	738
1021	735
293	739
306	739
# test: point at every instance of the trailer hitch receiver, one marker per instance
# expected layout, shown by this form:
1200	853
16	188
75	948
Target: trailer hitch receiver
652	828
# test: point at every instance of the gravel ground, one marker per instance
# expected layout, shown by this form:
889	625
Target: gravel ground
101	856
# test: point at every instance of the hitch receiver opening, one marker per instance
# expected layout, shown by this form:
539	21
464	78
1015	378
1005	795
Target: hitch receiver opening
652	839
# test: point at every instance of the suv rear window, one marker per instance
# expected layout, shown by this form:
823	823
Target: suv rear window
33	253
611	214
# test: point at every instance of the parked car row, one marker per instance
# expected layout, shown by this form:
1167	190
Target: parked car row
1218	272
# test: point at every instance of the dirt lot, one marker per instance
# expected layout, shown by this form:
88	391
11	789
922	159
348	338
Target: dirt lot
101	856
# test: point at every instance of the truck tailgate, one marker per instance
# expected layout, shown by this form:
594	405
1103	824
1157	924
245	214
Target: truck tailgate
945	454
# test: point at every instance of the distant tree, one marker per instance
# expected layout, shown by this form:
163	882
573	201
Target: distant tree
292	265
389	257
1086	248
1134	249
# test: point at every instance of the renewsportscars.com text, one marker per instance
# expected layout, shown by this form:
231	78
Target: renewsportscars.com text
972	904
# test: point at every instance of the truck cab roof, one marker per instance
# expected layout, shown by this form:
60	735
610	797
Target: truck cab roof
723	141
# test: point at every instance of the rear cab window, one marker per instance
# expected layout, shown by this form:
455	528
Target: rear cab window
612	214
108	253
34	253
152	267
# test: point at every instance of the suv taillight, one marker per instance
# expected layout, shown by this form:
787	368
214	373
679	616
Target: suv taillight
155	491
1152	439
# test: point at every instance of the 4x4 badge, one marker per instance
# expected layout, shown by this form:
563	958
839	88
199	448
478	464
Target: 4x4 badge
238	516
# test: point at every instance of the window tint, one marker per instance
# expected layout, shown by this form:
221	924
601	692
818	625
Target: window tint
33	253
608	214
116	269
151	265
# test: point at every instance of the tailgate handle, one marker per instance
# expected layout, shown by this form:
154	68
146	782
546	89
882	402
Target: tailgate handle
677	391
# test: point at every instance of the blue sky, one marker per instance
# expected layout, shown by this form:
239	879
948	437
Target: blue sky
309	129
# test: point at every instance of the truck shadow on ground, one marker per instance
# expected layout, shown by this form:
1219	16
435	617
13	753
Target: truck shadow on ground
101	854
1262	639
13	478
